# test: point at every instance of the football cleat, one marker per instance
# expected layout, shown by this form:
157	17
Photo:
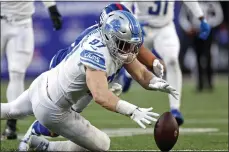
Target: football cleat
35	143
24	143
178	116
38	143
9	134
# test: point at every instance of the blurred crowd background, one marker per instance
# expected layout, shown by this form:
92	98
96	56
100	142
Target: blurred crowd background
79	15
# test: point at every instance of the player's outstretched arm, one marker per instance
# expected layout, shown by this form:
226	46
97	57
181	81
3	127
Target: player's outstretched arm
147	58
147	79
98	86
54	14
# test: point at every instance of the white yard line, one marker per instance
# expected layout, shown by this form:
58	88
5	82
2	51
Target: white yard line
122	132
187	121
174	150
206	121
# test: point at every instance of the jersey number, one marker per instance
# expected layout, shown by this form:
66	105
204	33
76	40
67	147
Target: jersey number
156	10
96	44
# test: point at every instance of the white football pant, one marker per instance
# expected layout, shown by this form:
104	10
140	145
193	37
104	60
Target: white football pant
62	121
166	42
17	42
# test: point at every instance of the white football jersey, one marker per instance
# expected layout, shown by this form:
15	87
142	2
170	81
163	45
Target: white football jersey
68	79
17	9
155	13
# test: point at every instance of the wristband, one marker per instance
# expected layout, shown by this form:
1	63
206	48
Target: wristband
125	108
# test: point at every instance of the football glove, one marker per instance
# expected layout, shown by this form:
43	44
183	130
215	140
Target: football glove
56	17
144	116
158	68
205	29
159	84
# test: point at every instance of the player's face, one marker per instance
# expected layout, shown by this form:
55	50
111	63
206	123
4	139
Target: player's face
126	47
127	51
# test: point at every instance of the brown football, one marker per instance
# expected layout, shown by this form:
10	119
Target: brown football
166	132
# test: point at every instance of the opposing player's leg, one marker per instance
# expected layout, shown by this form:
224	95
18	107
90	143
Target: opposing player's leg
19	55
5	32
167	44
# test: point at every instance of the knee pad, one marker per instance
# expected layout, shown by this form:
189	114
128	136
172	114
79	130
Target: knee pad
105	145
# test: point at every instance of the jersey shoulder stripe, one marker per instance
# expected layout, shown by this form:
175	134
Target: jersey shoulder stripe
93	60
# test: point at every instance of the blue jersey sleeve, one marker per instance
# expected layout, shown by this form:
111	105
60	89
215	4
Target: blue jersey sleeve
93	60
85	32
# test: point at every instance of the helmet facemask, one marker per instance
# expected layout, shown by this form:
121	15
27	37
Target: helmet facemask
121	42
123	50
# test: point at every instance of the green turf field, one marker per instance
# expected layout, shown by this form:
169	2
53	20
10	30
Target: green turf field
205	128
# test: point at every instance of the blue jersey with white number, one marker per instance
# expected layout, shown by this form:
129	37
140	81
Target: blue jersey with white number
68	78
156	13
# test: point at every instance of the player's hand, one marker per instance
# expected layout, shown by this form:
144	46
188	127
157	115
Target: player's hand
144	116
159	84
116	89
158	68
205	29
56	17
